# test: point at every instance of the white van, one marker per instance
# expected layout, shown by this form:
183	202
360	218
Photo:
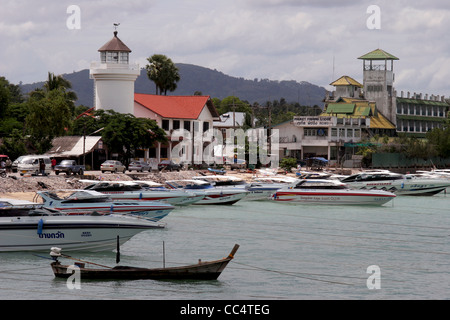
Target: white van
31	165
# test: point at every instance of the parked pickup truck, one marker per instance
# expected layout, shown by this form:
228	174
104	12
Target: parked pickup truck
69	167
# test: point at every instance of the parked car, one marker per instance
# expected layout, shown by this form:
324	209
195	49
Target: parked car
139	166
31	165
16	162
112	166
69	167
169	165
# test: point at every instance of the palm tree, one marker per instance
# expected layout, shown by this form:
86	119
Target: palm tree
163	72
56	83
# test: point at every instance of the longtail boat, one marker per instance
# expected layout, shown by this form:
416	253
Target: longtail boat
203	270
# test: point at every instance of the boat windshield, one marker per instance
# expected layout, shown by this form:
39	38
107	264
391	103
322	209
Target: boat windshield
114	187
305	184
372	177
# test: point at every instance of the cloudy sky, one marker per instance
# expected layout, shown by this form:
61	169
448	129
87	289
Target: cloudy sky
303	40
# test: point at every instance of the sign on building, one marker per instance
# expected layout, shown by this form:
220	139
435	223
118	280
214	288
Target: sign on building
313	121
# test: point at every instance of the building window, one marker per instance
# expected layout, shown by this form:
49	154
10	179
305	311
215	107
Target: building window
124	57
350	133
187	125
334	132
176	124
205	126
165	125
112	57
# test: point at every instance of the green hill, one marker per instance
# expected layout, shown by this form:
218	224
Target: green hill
209	82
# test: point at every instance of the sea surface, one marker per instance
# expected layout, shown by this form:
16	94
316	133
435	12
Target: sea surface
398	251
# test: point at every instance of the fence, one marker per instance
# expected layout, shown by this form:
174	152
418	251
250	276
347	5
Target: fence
398	160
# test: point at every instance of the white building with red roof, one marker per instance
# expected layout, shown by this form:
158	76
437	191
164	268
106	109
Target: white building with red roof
195	114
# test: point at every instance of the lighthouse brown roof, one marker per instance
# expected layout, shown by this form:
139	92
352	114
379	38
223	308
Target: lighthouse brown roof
115	44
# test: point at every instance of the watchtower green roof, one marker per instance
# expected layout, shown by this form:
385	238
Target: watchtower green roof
348	108
378	54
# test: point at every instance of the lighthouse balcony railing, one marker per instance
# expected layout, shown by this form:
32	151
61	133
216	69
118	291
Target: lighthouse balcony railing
99	65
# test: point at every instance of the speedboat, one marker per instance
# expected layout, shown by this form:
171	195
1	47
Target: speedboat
15	207
263	188
81	202
208	192
139	190
398	183
258	189
331	192
222	181
38	229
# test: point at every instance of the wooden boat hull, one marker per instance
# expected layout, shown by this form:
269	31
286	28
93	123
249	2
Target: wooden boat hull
209	270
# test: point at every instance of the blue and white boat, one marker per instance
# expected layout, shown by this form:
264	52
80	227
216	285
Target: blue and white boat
26	226
208	192
142	191
81	202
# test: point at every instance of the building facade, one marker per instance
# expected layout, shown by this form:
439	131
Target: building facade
417	114
195	114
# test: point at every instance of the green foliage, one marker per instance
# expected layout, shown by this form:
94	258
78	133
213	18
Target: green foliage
163	72
49	117
288	163
14	145
279	111
439	138
124	133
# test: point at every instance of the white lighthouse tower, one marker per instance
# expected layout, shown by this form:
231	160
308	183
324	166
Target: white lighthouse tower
114	77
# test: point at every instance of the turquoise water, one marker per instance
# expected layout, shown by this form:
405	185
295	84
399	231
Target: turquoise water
287	252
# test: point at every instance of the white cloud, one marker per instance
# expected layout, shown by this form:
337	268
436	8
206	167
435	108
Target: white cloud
275	39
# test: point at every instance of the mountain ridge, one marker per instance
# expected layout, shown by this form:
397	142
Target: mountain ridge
207	81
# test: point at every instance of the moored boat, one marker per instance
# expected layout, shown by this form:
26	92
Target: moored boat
42	229
203	270
130	190
16	207
331	192
397	183
208	193
81	202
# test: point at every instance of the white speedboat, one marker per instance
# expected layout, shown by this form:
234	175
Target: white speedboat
208	193
263	188
140	190
16	207
259	189
81	202
397	183
40	229
331	192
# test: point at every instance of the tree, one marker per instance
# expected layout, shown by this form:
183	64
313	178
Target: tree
439	138
49	116
124	133
288	163
57	83
163	72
